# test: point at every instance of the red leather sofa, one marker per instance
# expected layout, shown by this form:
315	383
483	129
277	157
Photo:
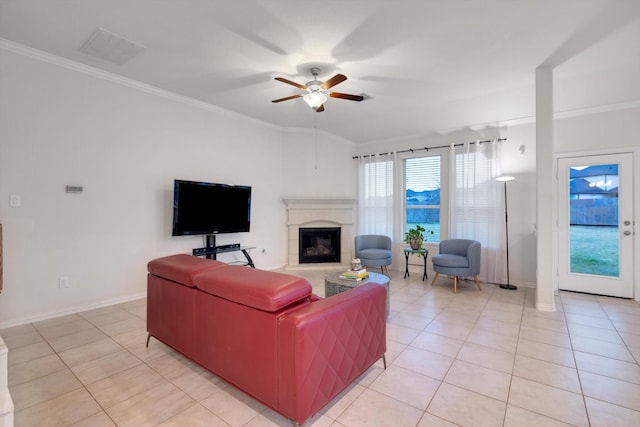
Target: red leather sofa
265	332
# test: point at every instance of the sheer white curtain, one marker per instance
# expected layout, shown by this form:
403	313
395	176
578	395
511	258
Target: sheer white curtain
376	195
475	204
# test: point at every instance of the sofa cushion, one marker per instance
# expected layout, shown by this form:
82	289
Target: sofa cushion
447	260
264	290
182	268
374	253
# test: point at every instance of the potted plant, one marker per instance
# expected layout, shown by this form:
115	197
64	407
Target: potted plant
415	236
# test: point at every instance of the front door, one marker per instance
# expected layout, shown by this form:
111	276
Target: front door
595	224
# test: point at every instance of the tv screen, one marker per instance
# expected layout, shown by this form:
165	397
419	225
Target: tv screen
210	208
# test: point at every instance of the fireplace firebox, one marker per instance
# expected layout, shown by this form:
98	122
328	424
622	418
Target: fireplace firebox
318	245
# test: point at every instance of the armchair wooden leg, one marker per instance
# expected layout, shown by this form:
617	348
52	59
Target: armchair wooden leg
475	278
434	279
455	284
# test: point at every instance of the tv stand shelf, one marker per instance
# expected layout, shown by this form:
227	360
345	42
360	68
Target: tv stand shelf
211	252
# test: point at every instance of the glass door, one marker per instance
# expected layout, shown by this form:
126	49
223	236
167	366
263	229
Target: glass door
595	224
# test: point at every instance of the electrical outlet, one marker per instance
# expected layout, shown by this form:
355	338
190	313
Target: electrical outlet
15	200
63	282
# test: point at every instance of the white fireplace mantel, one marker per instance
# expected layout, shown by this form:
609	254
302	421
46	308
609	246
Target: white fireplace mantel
320	212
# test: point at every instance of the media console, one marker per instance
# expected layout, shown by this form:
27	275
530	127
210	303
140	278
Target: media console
211	250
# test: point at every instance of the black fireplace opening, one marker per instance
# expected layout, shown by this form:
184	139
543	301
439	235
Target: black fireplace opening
317	245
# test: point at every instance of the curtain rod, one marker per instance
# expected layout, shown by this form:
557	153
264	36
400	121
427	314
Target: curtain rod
411	150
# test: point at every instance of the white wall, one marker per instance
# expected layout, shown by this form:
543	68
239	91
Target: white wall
318	164
60	126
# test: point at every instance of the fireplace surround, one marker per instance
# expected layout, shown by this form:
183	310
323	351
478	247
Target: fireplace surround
320	212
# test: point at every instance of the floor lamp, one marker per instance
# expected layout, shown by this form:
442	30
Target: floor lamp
506	179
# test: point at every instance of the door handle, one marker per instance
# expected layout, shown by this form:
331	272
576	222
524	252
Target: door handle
627	233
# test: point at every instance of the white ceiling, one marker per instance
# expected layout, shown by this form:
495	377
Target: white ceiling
424	65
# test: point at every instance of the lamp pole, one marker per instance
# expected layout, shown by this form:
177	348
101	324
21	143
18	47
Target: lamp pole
505	179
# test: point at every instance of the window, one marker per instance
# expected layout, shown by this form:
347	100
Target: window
422	194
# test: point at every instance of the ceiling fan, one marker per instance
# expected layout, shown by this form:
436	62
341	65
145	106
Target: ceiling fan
316	92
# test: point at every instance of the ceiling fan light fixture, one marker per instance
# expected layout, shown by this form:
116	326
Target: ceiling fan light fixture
315	99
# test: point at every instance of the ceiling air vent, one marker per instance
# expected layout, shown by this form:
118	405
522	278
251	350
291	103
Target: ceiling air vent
110	47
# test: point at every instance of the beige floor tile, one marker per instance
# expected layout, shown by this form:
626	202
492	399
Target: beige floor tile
546	337
553	402
611	390
547	373
371	374
342	401
488	382
75	339
131	324
27	371
424	362
492	339
602	348
549	324
594	322
43	388
437	344
100	419
546	352
62	410
429	420
606	366
372	408
401	334
406	386
453	316
17	331
124	385
196	415
26	336
233	406
466	408
410	321
631	340
199	384
488	357
29	352
50	330
608	335
519	417
105	366
458	331
105	315
603	414
89	352
510	329
151	407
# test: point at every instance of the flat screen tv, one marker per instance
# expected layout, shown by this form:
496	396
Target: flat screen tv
210	208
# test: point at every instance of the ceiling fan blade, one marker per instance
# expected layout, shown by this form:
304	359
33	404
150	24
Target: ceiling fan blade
320	109
287	98
346	96
338	78
289	82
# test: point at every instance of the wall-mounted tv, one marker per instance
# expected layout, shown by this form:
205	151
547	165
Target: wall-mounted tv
210	208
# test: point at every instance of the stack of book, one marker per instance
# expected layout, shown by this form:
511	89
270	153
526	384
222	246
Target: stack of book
356	275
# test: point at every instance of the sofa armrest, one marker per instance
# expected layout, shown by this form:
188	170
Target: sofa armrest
325	346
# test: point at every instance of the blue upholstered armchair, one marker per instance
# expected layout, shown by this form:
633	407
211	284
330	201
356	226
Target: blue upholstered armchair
374	251
458	258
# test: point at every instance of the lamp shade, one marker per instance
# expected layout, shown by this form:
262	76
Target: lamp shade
505	178
315	99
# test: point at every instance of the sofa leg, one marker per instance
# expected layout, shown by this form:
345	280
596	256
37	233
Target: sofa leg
434	279
148	338
384	361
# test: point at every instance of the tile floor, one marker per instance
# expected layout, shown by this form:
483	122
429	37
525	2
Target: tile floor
472	359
